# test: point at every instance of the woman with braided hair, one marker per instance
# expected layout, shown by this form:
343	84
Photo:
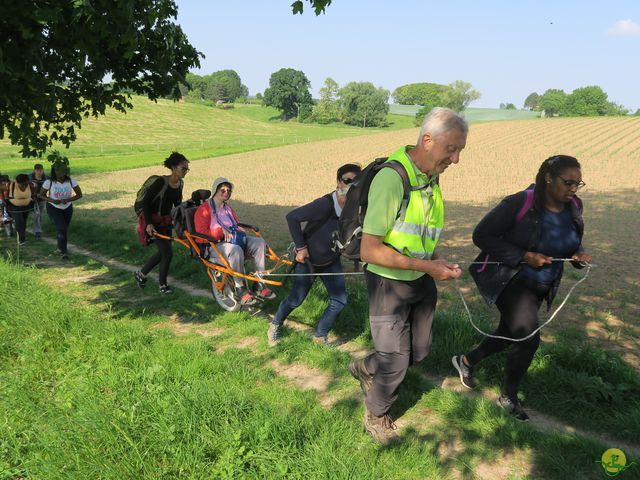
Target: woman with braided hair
519	239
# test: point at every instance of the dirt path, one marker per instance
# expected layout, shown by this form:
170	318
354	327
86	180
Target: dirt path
305	377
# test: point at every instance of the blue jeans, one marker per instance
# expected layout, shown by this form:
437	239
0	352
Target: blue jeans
336	289
61	219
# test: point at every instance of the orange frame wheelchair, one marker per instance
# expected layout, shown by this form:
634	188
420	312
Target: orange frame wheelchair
219	271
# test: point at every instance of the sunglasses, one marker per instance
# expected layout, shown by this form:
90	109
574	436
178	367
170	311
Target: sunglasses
572	183
347	181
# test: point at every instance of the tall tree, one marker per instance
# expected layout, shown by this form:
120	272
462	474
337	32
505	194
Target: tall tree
531	102
425	94
288	91
56	55
590	101
552	101
459	95
327	109
363	104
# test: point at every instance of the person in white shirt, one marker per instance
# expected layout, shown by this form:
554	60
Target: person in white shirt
60	191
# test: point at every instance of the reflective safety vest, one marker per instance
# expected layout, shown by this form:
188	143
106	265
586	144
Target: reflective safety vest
417	229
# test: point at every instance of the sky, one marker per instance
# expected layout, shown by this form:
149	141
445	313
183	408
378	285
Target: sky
505	49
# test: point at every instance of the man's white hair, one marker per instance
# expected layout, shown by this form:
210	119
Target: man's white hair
440	120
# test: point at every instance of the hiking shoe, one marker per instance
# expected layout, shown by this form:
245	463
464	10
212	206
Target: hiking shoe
140	279
382	429
166	290
359	372
324	341
465	372
64	256
22	243
38	235
513	408
264	292
245	296
273	335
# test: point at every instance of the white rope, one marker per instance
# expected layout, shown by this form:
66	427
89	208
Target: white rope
498	337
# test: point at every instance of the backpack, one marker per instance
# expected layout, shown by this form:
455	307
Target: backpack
138	205
346	240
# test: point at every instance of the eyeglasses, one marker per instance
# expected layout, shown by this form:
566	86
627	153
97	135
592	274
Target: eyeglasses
572	183
347	181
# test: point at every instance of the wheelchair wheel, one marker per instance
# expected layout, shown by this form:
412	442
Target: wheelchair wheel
225	296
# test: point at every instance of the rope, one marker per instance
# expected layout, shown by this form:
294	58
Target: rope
499	337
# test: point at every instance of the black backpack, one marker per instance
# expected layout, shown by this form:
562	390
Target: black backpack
346	240
138	205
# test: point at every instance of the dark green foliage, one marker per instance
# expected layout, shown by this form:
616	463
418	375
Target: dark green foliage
289	92
552	101
363	104
531	102
318	6
55	56
223	85
589	101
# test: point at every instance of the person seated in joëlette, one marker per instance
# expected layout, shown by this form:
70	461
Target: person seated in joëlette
218	220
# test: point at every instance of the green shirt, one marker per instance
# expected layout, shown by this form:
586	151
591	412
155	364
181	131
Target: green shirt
385	198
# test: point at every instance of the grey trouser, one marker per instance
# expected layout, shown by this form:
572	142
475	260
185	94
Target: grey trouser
39	209
256	248
401	317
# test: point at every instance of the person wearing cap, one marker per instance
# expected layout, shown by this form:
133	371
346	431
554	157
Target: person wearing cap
163	194
218	220
37	178
60	191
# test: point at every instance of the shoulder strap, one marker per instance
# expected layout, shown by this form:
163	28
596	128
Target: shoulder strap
406	185
160	194
526	206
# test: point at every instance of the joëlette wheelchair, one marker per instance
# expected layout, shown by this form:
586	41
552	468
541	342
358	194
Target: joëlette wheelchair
218	269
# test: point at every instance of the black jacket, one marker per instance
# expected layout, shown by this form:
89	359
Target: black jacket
503	239
317	235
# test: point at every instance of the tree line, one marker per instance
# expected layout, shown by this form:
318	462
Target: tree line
588	101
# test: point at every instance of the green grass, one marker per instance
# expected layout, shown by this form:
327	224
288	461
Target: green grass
90	390
471	114
146	134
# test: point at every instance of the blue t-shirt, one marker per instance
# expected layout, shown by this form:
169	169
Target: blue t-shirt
559	239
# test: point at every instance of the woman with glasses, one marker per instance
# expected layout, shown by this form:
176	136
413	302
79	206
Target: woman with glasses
313	248
523	240
161	196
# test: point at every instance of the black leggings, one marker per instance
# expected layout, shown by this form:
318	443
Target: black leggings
162	257
518	304
19	215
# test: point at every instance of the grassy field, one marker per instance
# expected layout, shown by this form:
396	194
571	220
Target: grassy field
156	365
471	114
147	133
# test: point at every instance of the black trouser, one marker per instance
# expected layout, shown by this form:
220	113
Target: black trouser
518	304
401	317
162	257
19	215
61	219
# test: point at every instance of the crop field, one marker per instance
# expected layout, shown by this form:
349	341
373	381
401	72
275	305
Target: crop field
123	383
119	141
500	158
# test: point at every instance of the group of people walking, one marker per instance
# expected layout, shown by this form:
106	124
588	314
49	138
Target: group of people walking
524	241
34	193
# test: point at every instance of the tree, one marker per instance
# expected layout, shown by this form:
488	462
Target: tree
364	104
459	95
288	91
531	102
510	106
327	109
425	94
552	101
56	55
637	114
590	101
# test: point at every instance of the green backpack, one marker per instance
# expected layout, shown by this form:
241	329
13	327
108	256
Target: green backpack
138	205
